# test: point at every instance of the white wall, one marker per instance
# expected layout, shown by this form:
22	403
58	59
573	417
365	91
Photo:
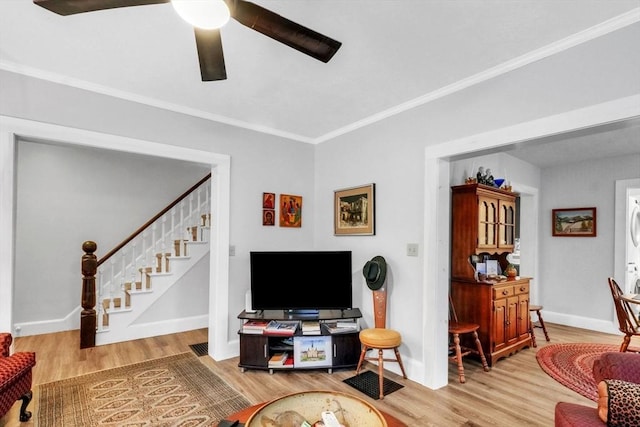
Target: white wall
574	270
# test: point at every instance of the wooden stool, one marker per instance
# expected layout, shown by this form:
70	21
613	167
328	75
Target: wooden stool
380	338
537	309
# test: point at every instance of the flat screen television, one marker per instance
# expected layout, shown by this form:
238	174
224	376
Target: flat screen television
301	281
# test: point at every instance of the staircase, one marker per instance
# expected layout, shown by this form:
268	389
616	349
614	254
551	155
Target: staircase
133	277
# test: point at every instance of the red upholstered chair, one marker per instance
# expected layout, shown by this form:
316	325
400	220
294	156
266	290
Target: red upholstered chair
15	377
614	365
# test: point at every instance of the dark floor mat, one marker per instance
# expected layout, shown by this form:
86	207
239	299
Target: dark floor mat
367	383
201	349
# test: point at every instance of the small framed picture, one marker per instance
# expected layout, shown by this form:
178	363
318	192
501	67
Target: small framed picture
290	211
354	211
268	201
268	217
574	222
312	351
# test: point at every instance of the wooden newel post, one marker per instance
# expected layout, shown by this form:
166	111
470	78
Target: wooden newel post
88	319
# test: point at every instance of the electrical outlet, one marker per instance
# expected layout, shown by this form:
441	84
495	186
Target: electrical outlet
232	250
412	249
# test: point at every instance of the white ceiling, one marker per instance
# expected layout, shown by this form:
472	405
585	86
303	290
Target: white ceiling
395	54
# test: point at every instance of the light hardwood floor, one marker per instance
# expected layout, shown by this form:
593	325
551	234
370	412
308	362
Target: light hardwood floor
516	392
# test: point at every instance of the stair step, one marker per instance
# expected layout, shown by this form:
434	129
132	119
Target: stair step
119	310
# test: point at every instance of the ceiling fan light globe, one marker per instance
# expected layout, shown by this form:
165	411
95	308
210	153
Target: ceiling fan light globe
205	14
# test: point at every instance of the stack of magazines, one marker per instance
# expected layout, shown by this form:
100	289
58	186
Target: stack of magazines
281	327
254	326
341	326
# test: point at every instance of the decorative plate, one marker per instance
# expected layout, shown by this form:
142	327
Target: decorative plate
308	406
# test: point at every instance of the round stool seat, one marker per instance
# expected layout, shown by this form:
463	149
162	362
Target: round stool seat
535	307
380	338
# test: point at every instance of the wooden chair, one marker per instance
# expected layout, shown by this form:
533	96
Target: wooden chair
537	309
457	328
380	338
628	322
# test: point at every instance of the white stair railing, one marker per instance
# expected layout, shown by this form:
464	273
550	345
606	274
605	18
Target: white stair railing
131	269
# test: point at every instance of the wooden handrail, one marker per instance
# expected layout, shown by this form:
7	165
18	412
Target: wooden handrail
152	220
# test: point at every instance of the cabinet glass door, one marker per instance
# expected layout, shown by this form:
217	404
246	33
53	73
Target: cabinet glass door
487	222
507	224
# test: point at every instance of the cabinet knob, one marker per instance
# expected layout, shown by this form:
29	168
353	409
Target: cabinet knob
505	292
523	288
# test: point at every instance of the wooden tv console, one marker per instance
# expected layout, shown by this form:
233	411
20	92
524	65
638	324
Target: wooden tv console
342	350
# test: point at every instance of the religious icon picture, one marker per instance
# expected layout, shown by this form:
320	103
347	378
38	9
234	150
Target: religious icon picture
268	217
268	201
290	211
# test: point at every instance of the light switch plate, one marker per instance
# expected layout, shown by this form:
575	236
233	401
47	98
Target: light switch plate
412	249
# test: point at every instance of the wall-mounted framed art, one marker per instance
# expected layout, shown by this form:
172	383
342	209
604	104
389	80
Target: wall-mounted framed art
268	200
354	211
268	217
290	211
574	222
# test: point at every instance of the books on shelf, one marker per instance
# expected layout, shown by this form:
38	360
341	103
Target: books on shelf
278	359
281	327
340	327
254	326
288	363
347	323
311	327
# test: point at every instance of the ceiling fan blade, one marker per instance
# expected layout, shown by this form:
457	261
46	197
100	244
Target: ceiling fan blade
70	7
283	30
210	54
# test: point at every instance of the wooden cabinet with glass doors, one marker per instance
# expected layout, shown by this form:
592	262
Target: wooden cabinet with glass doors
483	226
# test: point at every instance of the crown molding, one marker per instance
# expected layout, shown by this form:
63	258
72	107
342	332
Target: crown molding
599	30
606	27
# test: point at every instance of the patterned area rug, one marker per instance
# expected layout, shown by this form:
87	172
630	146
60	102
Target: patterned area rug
172	391
572	365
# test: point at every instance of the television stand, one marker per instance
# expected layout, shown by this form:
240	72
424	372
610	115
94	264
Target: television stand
340	350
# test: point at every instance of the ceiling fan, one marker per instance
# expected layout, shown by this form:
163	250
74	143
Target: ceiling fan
209	41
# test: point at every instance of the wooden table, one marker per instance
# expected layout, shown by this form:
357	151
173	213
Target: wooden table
243	416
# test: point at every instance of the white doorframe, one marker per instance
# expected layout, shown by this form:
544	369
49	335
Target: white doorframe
12	130
625	188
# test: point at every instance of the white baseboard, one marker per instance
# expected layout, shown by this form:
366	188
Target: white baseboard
154	329
607	327
70	322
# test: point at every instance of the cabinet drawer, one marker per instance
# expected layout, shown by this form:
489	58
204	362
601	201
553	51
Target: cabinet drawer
522	288
503	292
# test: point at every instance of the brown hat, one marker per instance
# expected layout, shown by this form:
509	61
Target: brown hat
375	272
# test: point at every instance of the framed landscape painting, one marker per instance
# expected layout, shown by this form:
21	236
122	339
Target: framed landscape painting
574	222
354	211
